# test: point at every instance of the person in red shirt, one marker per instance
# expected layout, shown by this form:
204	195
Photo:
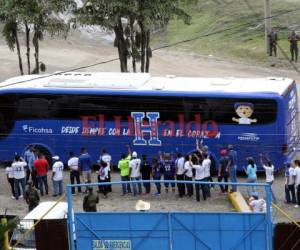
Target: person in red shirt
41	166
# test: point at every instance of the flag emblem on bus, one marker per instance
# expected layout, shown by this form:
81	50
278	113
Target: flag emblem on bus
151	128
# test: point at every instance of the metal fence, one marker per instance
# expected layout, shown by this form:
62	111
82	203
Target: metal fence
171	230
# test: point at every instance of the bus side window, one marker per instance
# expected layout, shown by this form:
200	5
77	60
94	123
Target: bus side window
222	110
32	107
64	107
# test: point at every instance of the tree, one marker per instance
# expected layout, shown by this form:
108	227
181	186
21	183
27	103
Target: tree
45	19
36	17
9	13
132	21
10	226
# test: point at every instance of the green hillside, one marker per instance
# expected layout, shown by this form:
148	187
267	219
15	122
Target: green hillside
243	23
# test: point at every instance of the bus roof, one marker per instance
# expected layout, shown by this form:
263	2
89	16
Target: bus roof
146	82
58	212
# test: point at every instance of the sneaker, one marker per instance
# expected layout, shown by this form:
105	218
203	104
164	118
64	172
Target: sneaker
157	194
296	206
13	197
21	196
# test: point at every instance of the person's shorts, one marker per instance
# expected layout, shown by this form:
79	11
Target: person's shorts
169	178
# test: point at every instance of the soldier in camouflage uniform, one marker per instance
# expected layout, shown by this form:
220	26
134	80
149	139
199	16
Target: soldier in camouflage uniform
293	39
272	36
31	196
90	201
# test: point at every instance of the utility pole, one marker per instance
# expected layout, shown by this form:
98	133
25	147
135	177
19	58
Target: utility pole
268	26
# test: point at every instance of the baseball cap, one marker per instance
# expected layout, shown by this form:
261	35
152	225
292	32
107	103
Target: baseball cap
56	157
134	154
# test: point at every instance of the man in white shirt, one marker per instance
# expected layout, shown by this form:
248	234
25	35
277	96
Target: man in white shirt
188	171
103	177
206	164
269	170
18	169
179	168
134	173
107	159
74	171
256	204
290	183
199	176
11	180
57	176
297	181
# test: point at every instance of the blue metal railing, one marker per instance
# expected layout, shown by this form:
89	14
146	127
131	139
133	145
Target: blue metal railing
266	187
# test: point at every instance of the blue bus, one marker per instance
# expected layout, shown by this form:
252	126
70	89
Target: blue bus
66	111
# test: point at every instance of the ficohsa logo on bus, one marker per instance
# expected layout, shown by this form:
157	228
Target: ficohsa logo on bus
36	130
248	137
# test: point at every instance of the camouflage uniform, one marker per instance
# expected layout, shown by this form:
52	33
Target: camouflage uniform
293	38
90	202
32	197
273	43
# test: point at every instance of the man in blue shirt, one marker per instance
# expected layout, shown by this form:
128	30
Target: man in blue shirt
85	165
168	168
232	167
30	157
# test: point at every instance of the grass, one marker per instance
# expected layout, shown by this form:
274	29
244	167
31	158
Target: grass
243	25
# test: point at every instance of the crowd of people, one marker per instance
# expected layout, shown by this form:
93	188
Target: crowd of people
33	169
